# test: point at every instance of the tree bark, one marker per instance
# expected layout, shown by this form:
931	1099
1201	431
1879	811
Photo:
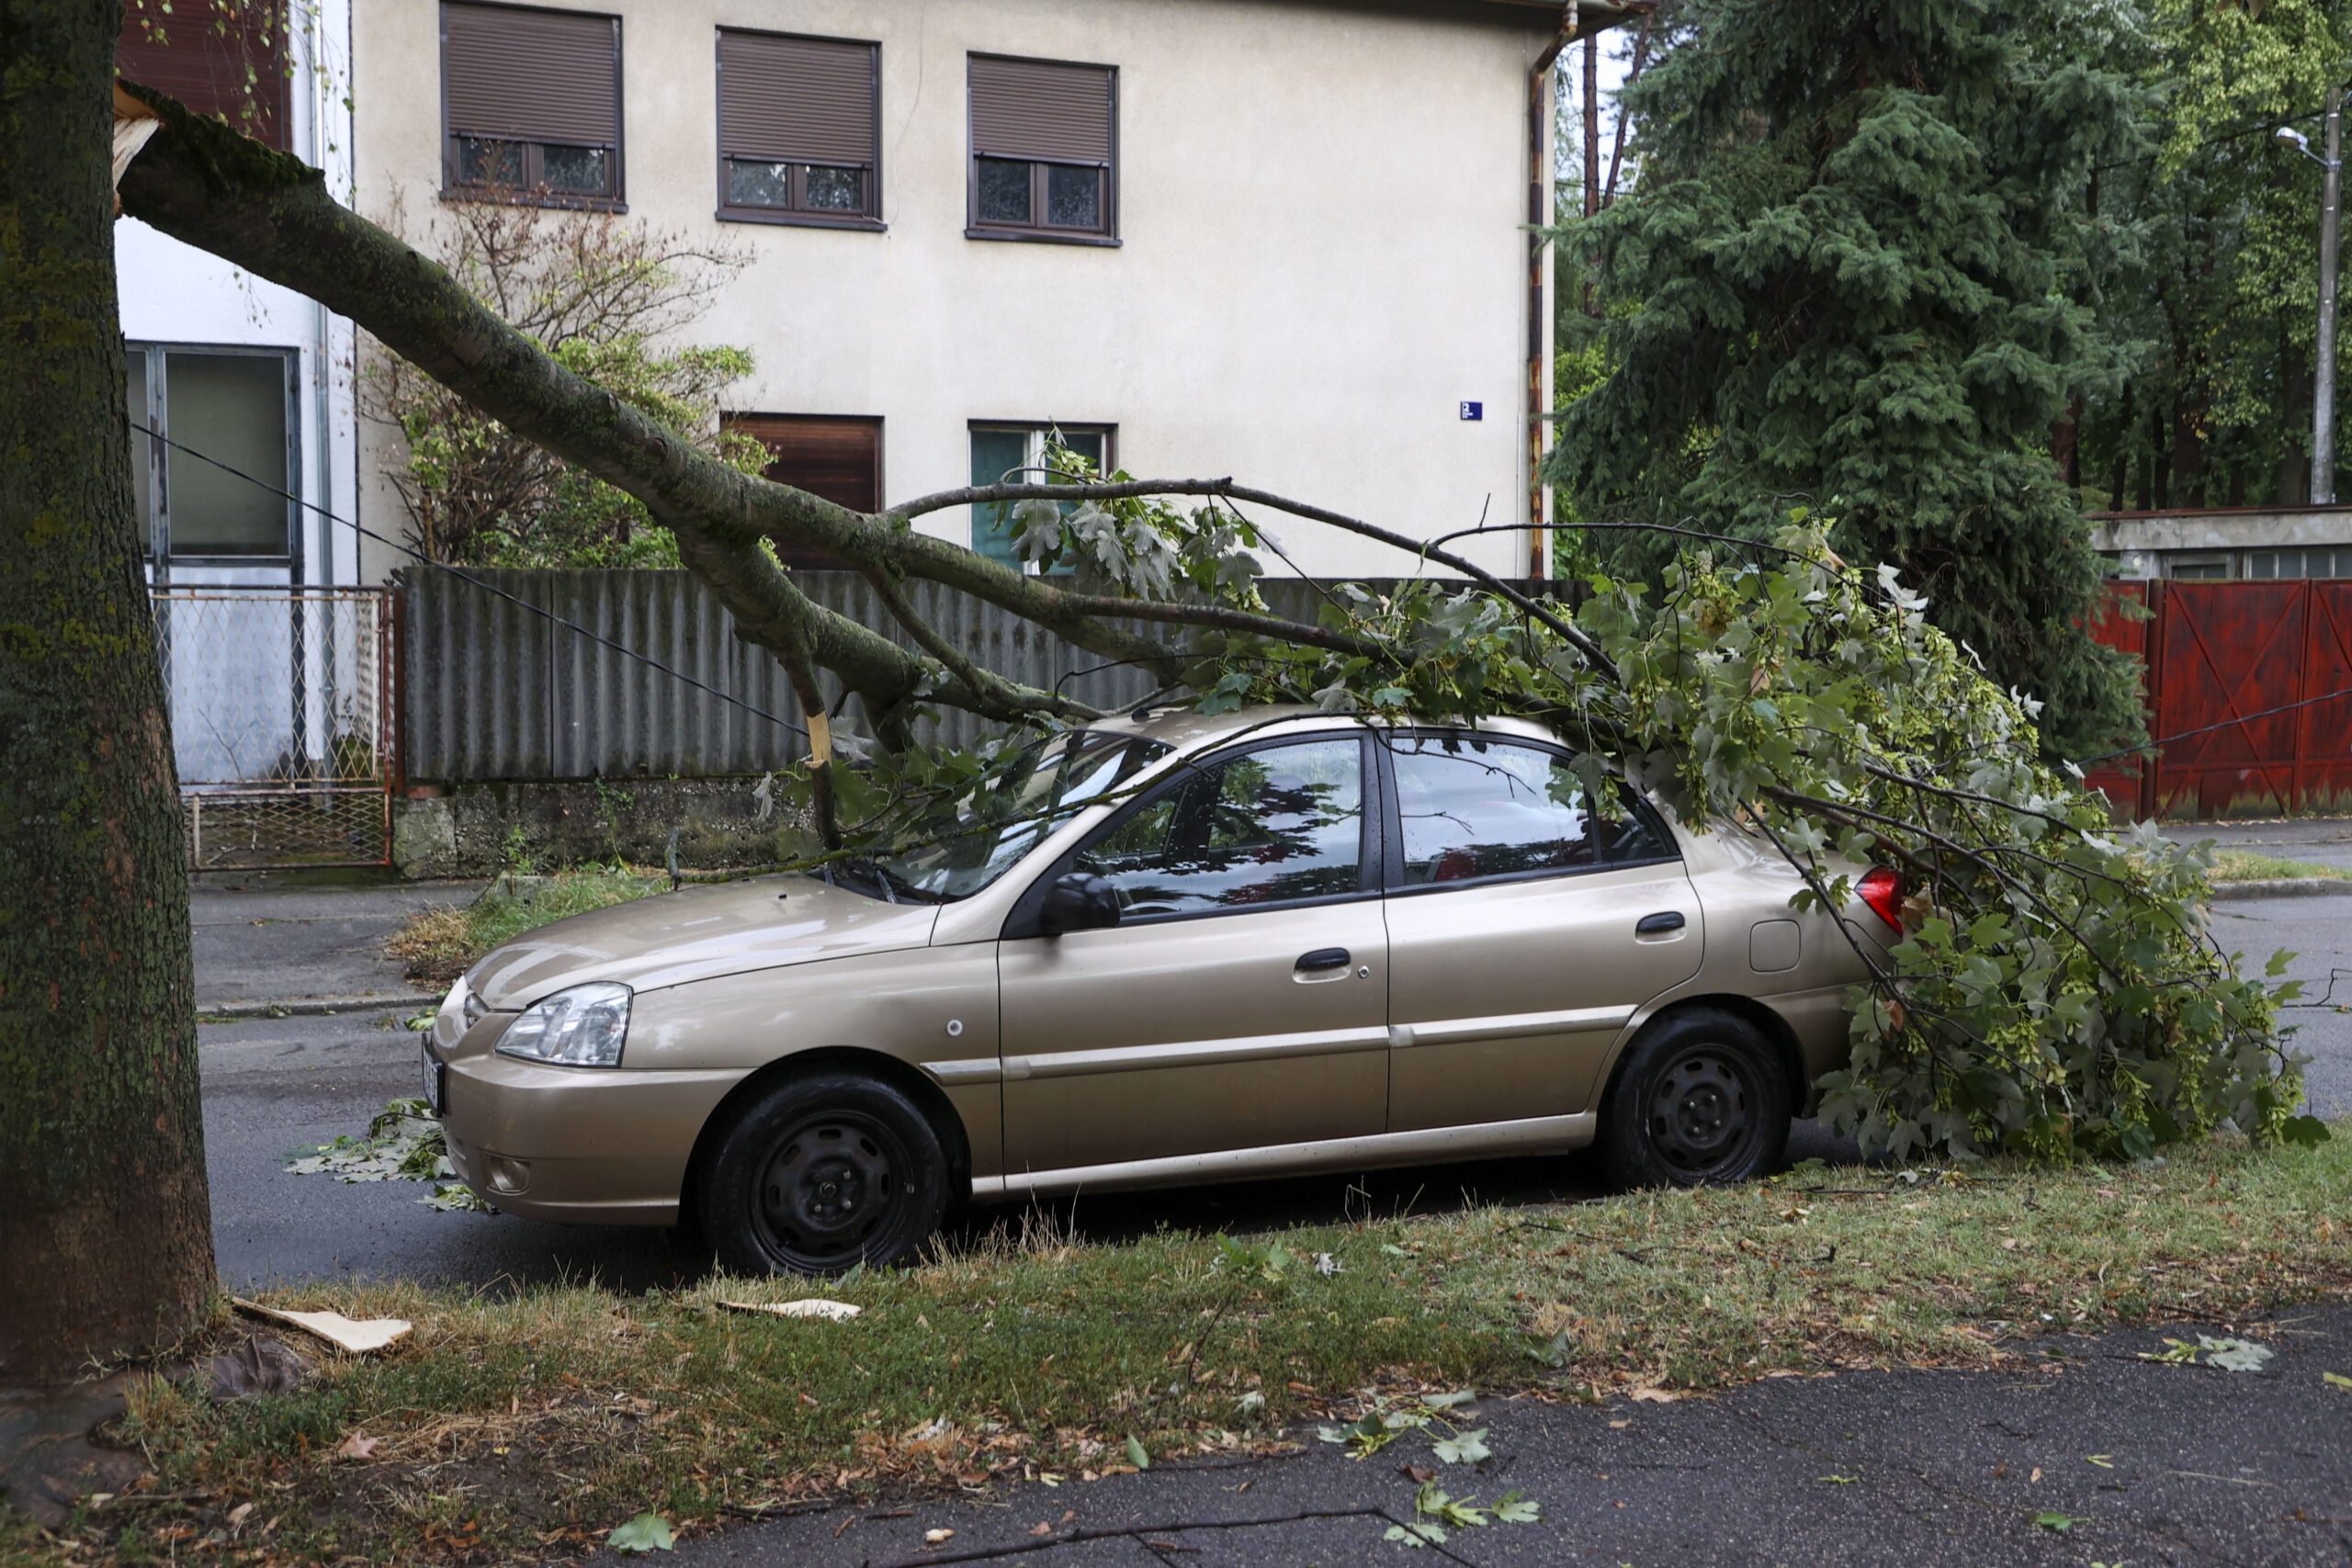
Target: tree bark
105	1236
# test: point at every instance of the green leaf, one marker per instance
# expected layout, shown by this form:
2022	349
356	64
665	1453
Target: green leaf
1517	1508
1466	1448
647	1532
1136	1454
2304	1132
2061	1522
2338	1380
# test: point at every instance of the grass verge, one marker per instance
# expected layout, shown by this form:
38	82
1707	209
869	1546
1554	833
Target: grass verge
439	945
527	1427
2245	865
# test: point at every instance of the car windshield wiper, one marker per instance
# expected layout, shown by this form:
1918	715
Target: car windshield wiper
890	888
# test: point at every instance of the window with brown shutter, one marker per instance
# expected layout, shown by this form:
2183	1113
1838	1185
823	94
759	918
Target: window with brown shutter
1044	150
839	460
799	138
531	103
223	57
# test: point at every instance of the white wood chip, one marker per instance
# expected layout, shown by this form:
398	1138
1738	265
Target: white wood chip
810	1306
344	1332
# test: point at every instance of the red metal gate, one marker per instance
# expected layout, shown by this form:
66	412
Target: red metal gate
2253	681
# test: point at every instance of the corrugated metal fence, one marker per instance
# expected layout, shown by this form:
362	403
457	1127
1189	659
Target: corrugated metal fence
491	690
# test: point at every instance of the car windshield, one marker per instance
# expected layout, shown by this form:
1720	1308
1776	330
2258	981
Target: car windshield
986	831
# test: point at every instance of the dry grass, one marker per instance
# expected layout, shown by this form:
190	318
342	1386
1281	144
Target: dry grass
525	1427
439	945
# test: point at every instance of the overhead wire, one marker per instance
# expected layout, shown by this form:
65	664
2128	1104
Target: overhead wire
752	708
491	588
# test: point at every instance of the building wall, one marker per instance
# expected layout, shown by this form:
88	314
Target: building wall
1321	256
174	295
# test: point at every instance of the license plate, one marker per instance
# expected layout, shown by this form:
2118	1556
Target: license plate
436	1083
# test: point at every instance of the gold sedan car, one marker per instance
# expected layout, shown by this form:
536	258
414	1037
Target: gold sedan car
1170	950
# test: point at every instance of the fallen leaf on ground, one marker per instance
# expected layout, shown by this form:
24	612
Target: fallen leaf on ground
1655	1395
2338	1380
2059	1522
1135	1455
1416	1473
2235	1354
811	1306
932	1538
344	1332
647	1532
357	1447
1042	1529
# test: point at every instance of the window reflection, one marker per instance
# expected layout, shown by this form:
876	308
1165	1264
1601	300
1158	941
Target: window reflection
1269	826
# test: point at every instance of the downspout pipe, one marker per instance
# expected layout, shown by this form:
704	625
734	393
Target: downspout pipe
1539	174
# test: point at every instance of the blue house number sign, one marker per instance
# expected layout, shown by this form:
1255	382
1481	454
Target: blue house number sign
1473	411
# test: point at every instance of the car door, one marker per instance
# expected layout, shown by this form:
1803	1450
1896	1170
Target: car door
1522	932
1241	1001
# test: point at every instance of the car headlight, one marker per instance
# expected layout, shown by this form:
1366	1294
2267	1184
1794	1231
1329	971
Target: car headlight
582	1027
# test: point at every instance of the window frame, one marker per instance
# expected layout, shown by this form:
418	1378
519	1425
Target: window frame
1392	871
1371	842
1036	431
156	546
1034	232
533	191
869	221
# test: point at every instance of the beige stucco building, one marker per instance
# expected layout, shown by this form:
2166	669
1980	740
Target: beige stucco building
1281	241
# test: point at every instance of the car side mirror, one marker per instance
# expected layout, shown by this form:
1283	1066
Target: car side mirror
1078	901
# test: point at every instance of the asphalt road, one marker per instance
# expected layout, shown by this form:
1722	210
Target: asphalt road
2199	1466
261	937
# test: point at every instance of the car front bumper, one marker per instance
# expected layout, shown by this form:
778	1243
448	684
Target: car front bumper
578	1145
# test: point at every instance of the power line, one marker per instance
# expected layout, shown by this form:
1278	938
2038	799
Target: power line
463	577
2207	729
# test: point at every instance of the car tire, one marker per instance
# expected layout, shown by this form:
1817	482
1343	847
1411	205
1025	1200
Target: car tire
1701	1099
822	1174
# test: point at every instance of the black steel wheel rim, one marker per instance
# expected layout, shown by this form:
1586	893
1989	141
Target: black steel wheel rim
826	1189
1701	1112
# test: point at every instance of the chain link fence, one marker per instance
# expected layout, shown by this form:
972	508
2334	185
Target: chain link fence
282	721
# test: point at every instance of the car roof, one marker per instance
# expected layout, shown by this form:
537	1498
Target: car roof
1187	730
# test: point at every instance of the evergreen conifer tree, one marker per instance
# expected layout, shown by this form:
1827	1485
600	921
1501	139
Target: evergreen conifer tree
1857	275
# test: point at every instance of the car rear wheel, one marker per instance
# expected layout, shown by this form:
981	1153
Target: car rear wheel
822	1174
1701	1099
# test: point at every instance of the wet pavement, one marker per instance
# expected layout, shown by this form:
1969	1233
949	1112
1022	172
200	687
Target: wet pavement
2086	1455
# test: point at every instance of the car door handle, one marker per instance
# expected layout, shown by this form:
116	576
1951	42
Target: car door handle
1324	958
1659	924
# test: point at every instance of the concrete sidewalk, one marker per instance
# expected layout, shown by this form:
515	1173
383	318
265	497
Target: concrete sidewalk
266	939
2088	1455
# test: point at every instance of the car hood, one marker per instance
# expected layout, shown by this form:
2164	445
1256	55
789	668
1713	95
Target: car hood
697	933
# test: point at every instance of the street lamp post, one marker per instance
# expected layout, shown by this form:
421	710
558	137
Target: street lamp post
2323	398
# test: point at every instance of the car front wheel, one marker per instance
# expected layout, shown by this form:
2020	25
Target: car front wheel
1701	1099
822	1174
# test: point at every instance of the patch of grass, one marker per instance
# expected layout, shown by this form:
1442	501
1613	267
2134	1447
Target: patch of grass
2244	866
439	945
530	1426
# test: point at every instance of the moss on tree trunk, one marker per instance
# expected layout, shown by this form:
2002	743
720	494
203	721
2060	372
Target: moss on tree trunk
106	1237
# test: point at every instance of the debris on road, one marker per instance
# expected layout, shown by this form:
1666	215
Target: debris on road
357	1337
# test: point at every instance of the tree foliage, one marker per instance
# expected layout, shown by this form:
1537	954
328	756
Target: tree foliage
1850	272
605	297
2215	313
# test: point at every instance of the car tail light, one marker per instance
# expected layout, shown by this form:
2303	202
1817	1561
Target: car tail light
1881	889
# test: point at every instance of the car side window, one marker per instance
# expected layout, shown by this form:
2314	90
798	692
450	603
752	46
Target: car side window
1479	809
1474	809
1268	827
